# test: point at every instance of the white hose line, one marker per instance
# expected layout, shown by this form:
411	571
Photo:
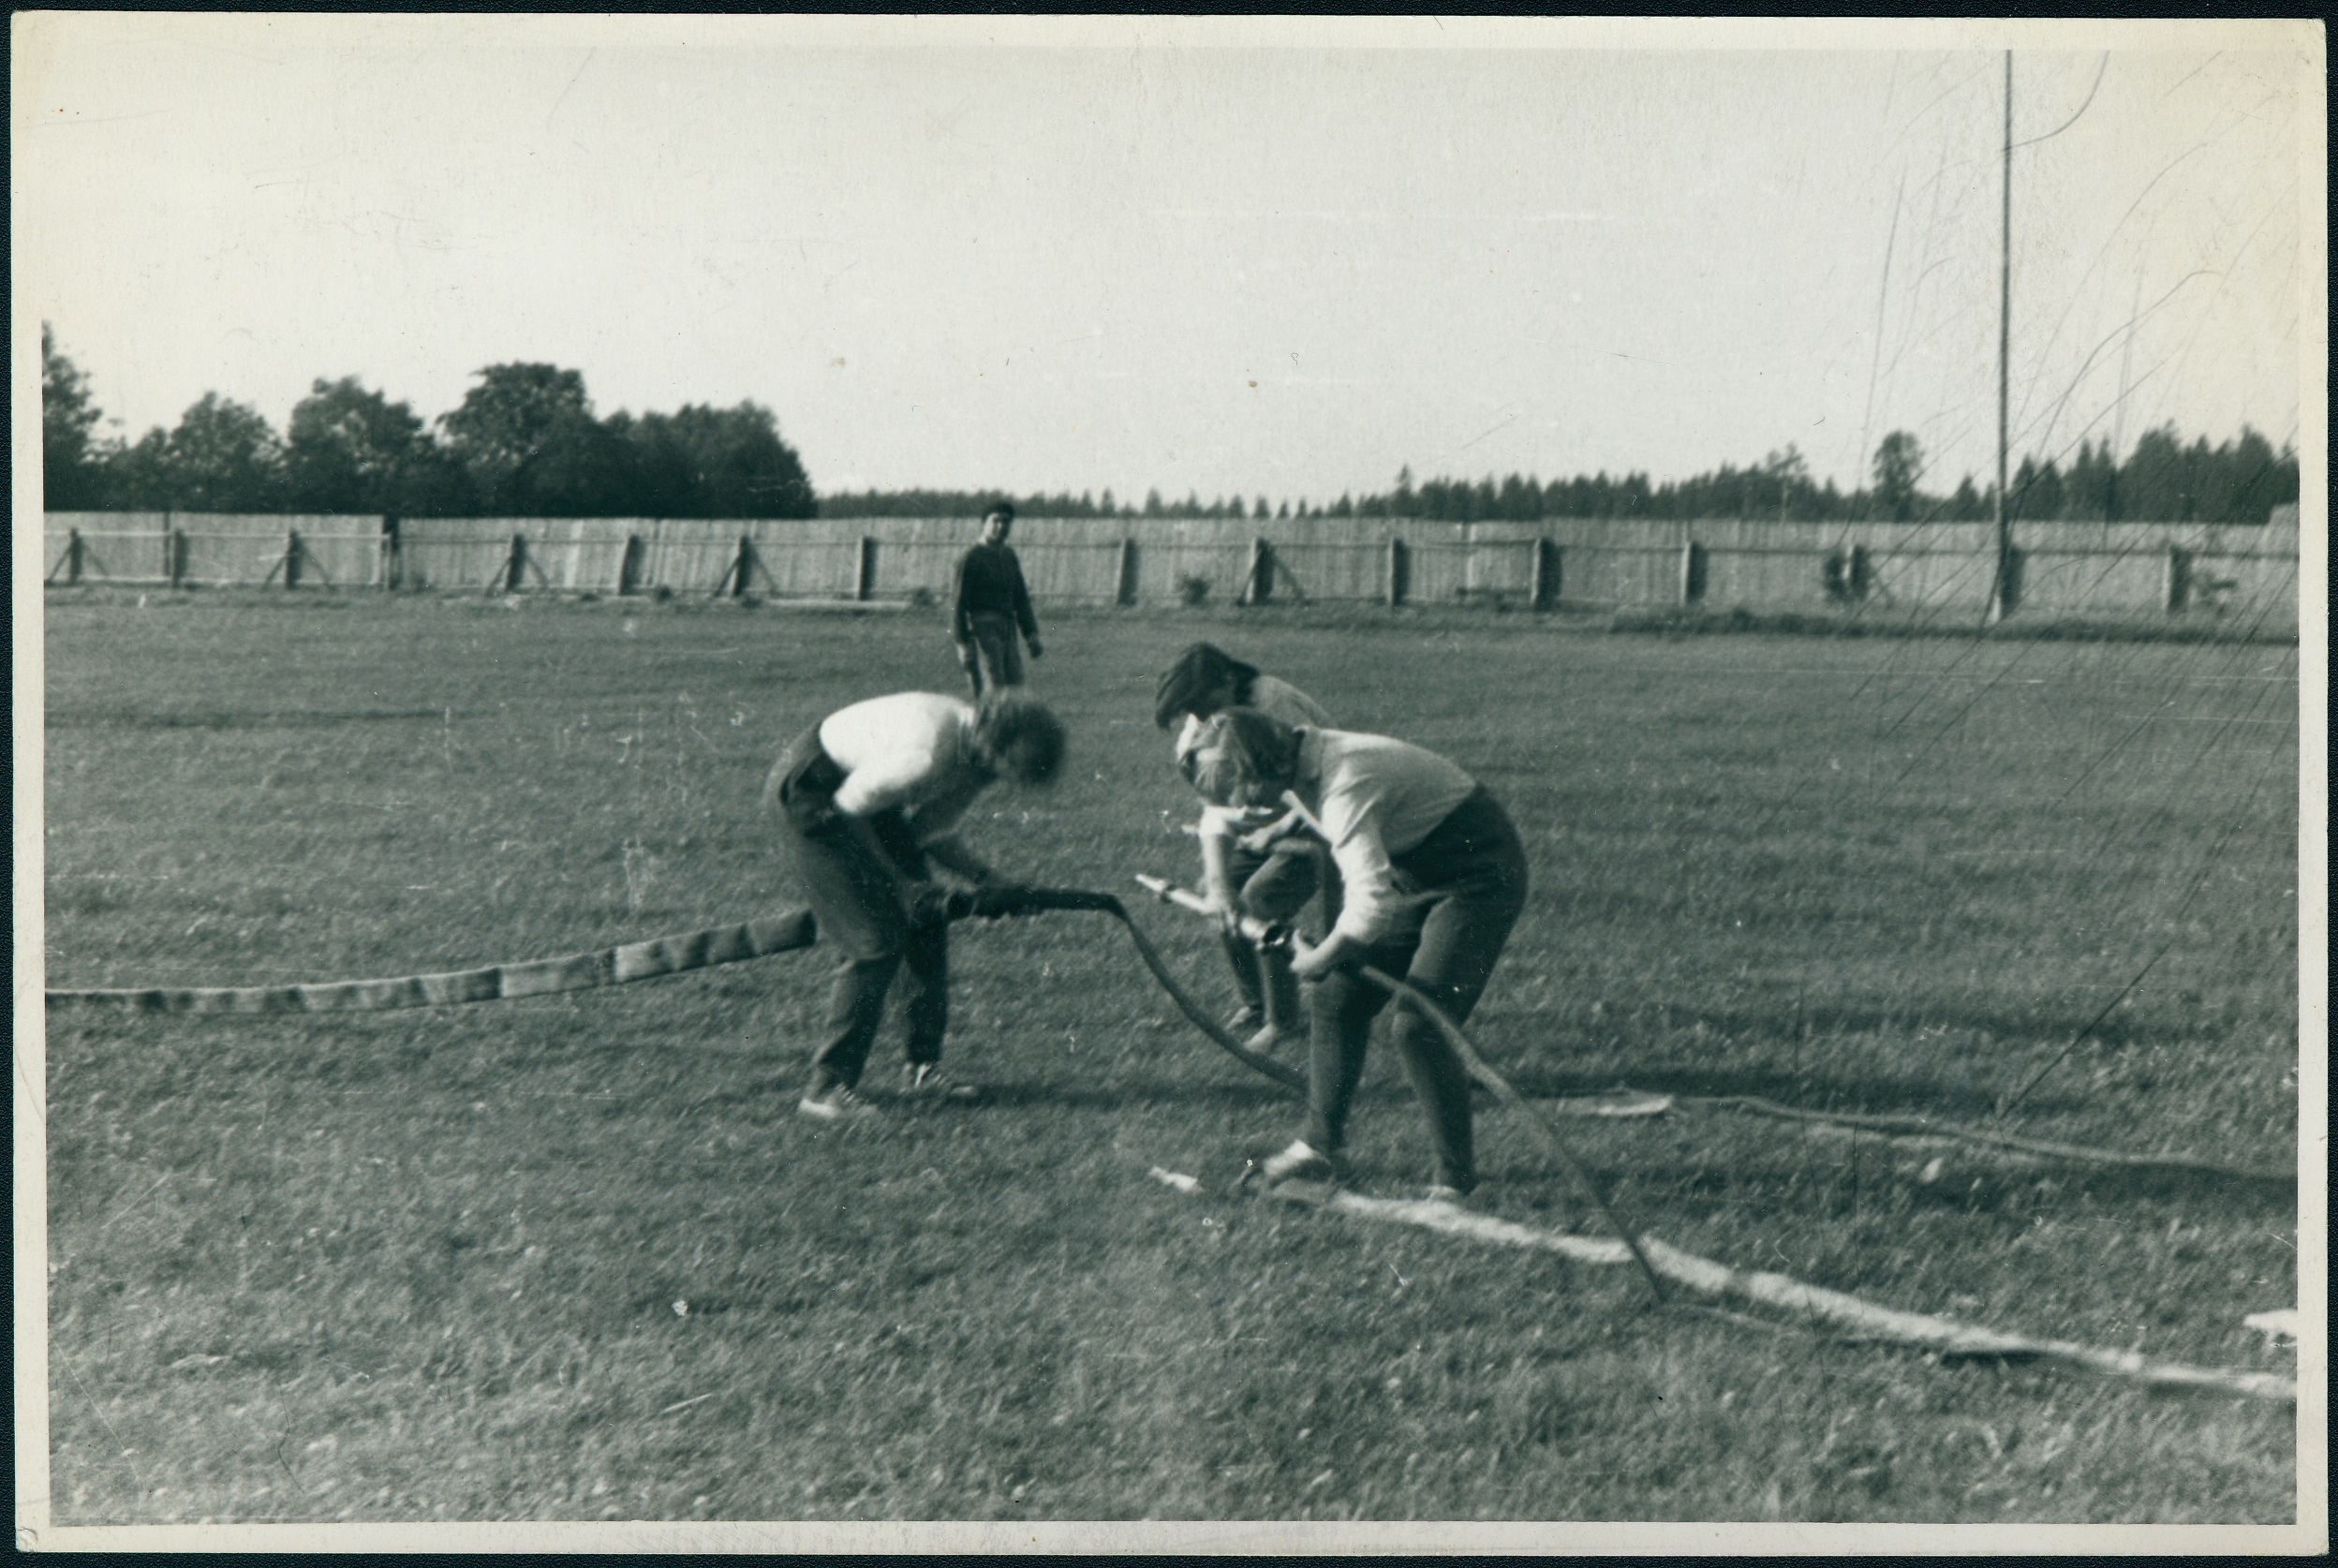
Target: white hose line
1484	1073
1718	1281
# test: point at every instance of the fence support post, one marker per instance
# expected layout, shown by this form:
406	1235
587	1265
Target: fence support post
1692	573
2177	579
865	570
1400	572
388	568
165	543
1544	590
291	560
515	570
630	564
179	553
1124	590
1258	579
73	548
744	569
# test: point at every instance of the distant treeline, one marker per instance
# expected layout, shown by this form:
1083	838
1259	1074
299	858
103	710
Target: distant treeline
2162	480
525	443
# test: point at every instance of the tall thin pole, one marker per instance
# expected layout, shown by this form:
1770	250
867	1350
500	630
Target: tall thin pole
2001	595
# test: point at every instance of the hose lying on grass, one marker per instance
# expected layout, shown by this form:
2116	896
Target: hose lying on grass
796	929
992	902
1924	1127
1905	1127
575	972
1478	1069
1703	1277
646	960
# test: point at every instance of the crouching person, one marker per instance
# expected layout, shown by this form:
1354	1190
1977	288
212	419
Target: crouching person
1262	864
1434	878
869	801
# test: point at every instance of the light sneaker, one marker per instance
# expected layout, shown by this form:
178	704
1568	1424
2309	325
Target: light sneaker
925	1081
1301	1161
837	1103
1246	1022
1441	1194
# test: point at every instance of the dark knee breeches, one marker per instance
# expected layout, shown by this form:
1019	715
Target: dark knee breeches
1471	876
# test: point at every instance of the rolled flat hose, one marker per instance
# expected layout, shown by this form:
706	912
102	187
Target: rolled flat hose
790	931
787	932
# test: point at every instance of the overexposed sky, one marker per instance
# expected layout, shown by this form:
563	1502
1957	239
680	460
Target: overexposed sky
1171	258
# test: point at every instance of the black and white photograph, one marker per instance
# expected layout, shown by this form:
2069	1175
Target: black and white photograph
1205	784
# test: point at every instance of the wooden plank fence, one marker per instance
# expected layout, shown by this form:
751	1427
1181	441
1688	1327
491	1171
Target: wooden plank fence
2123	569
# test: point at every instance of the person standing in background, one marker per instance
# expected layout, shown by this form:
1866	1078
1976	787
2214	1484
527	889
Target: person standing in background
990	607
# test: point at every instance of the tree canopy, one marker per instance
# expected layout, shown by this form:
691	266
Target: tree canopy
703	462
523	443
348	449
1898	464
223	457
70	460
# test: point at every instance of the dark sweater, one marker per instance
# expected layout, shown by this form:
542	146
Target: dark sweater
990	583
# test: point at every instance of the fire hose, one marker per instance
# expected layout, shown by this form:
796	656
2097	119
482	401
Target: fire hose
787	932
574	972
1703	1277
1262	931
795	929
993	902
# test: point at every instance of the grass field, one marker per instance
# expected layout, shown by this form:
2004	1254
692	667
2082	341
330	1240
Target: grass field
576	1258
